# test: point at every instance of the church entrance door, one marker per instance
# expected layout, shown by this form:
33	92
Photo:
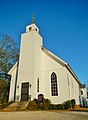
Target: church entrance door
25	91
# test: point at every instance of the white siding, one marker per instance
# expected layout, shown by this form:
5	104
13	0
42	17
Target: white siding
30	61
65	92
12	72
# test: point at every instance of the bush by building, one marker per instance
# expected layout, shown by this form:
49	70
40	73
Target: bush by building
60	107
52	107
32	105
46	105
67	104
5	104
73	103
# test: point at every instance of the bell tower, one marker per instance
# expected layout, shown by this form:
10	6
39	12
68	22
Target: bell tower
32	26
30	59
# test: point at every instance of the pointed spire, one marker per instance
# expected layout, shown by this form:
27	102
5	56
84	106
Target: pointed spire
32	18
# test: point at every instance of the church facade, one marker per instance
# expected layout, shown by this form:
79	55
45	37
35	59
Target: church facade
41	72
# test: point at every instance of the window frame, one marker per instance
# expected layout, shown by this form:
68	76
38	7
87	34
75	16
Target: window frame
54	84
30	28
38	84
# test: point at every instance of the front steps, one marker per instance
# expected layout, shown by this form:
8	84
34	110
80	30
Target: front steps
17	106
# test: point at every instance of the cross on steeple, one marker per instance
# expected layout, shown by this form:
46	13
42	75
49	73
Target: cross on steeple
32	18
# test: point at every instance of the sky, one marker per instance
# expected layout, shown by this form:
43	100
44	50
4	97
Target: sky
63	25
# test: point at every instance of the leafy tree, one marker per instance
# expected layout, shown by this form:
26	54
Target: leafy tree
8	53
3	91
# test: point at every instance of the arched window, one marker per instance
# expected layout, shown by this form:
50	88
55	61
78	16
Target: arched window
54	89
38	85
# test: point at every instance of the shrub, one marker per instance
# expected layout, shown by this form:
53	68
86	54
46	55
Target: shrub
73	103
52	107
5	104
36	101
47	101
60	107
46	104
32	105
40	106
35	104
67	104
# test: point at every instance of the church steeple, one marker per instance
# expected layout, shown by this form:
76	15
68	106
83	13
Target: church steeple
32	26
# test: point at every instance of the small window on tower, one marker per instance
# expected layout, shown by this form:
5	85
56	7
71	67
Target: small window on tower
36	29
29	28
38	85
87	94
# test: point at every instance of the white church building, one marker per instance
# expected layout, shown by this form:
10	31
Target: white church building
39	71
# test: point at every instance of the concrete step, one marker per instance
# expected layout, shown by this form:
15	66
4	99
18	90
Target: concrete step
17	106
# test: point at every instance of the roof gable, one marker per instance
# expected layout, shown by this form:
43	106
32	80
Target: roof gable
54	57
61	62
15	66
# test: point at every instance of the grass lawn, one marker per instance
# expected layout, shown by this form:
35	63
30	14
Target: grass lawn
81	109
